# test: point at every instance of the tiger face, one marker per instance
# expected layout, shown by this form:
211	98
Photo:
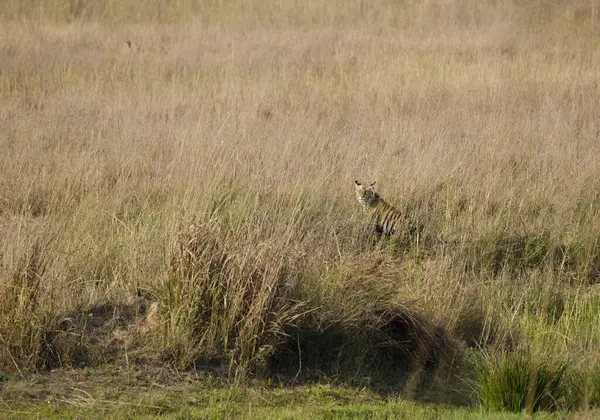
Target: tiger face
365	194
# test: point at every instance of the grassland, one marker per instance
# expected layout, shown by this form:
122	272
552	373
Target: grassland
135	394
176	188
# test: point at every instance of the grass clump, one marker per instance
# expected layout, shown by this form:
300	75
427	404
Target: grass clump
220	304
22	322
518	381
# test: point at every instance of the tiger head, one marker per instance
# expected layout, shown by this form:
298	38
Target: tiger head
365	194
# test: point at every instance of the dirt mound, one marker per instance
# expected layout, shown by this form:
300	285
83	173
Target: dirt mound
98	334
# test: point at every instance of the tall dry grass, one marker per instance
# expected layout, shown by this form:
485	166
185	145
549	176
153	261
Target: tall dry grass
124	122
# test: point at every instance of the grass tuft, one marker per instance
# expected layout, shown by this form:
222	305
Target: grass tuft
520	381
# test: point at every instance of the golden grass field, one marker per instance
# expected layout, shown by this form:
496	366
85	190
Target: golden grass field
176	187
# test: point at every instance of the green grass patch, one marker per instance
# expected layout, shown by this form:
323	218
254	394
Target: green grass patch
521	381
206	398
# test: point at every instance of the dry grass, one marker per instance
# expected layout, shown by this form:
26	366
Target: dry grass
123	124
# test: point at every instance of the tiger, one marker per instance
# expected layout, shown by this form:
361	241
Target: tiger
387	218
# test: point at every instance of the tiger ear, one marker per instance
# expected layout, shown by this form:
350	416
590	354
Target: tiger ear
357	184
372	183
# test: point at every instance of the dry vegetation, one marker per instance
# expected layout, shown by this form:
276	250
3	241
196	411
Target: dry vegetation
194	162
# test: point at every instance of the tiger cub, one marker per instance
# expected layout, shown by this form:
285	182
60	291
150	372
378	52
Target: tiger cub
387	218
